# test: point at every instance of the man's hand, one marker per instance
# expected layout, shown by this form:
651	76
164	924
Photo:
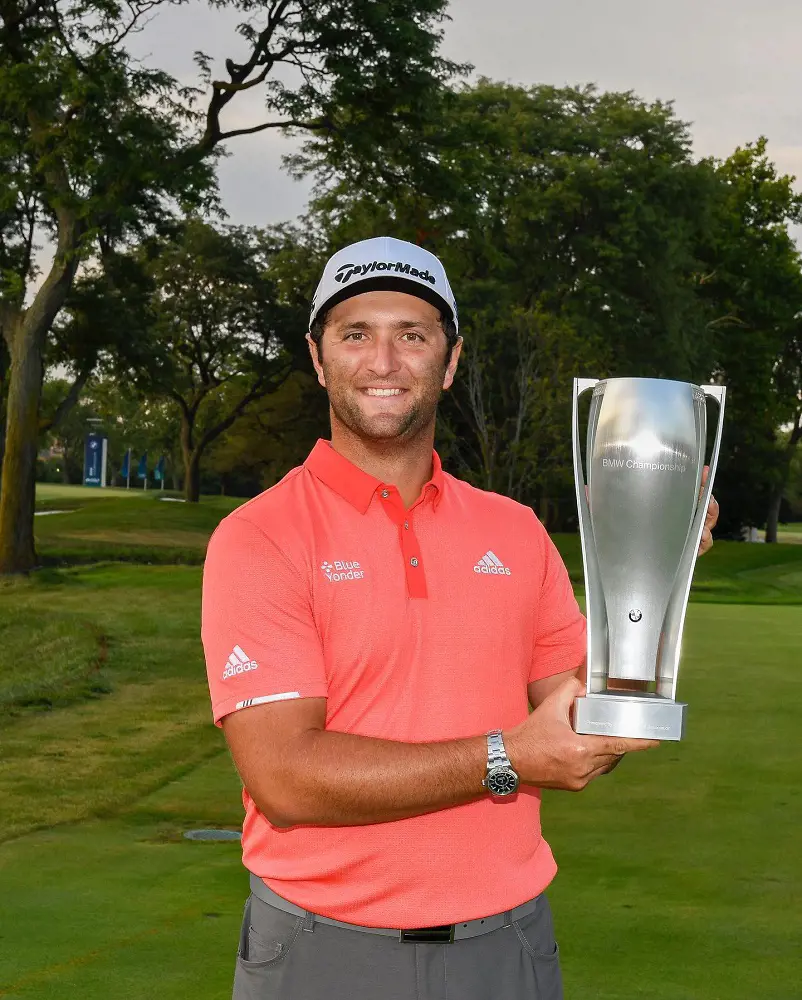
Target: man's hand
545	751
710	518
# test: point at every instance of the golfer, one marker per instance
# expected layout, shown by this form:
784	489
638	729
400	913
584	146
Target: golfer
374	632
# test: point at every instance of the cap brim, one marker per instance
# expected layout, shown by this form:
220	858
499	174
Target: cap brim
386	283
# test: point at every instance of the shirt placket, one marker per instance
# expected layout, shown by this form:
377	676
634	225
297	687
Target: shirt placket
410	549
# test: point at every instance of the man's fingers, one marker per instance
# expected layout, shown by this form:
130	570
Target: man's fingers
711	517
619	745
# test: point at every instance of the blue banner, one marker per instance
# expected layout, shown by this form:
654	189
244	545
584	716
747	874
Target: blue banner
125	470
158	472
95	460
142	471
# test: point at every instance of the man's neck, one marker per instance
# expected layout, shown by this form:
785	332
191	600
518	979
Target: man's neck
406	465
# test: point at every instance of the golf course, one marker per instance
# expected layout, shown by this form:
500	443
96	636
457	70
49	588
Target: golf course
680	874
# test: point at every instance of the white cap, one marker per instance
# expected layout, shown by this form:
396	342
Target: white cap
383	263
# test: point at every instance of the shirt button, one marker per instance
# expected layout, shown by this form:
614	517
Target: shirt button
414	561
385	493
406	524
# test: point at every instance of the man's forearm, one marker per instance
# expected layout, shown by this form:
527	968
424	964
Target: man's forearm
338	779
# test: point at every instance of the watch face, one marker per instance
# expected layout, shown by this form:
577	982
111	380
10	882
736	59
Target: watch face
502	781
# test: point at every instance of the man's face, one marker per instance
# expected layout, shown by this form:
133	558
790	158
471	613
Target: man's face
384	364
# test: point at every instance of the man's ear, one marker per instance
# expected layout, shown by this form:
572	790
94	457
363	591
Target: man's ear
452	364
313	351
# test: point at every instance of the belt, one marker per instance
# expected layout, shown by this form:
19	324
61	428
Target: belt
442	933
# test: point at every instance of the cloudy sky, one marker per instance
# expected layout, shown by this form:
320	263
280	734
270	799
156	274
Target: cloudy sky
732	67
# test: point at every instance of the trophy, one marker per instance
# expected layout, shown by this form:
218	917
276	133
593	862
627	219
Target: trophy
641	518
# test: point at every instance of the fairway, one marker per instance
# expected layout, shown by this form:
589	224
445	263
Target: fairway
681	873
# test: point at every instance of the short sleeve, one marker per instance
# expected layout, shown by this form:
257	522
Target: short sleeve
259	635
560	630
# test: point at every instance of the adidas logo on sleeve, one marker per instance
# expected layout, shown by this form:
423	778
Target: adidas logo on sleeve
491	565
238	663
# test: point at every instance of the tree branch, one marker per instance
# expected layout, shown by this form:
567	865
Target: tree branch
256	392
69	400
290	123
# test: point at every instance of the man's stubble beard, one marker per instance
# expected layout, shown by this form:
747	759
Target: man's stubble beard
419	417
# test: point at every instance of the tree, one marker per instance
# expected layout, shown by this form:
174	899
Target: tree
217	332
753	285
274	436
96	149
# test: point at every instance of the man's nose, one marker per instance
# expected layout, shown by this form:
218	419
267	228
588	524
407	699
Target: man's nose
384	360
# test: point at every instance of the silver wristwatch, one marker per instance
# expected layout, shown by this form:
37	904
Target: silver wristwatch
500	779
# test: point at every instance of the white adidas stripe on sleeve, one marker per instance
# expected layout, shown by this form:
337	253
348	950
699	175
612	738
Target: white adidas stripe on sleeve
284	696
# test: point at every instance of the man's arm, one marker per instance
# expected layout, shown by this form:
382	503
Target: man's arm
299	773
540	689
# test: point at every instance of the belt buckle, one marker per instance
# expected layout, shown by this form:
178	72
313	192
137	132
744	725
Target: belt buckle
443	934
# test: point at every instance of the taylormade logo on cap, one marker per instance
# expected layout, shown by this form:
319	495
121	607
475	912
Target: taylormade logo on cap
383	263
347	271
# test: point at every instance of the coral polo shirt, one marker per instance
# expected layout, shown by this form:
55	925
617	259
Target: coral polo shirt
418	625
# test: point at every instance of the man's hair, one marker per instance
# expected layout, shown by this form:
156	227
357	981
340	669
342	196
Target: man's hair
447	323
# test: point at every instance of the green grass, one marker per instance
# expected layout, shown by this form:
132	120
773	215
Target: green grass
134	527
680	873
58	660
731	573
140	527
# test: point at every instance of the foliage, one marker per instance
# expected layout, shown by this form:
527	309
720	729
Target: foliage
97	150
754	287
216	329
113	408
273	437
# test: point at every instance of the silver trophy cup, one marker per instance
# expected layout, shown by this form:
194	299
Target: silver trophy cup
641	518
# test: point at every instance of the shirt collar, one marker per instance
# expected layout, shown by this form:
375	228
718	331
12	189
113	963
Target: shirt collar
356	486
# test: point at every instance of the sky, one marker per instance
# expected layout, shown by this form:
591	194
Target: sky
731	67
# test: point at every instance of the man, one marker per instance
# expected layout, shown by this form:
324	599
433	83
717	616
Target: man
374	630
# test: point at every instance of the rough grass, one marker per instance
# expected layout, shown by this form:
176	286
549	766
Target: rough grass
141	528
60	766
49	660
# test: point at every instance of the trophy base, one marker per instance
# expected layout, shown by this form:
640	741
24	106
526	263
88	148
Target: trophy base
644	717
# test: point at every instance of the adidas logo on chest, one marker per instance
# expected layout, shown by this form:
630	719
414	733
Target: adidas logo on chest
491	565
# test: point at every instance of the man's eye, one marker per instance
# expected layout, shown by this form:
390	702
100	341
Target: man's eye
413	335
354	335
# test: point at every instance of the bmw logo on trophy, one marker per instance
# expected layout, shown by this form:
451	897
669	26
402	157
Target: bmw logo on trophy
641	518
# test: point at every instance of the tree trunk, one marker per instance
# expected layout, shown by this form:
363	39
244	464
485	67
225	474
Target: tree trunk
774	513
189	453
192	477
775	501
17	553
25	332
2	444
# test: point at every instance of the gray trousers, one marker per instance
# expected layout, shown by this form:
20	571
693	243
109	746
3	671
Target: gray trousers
282	956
